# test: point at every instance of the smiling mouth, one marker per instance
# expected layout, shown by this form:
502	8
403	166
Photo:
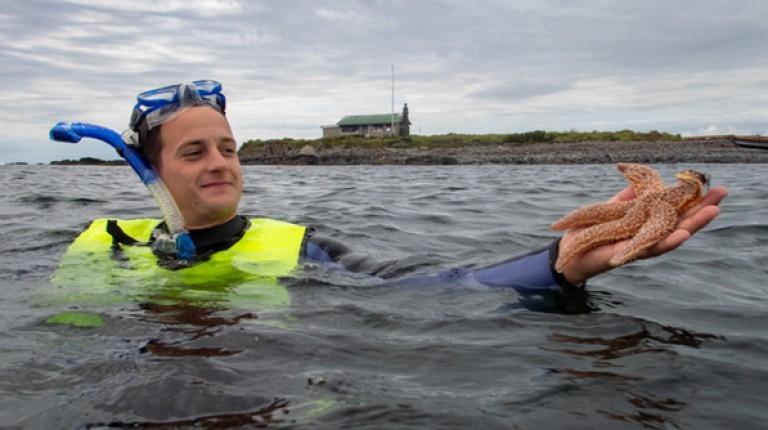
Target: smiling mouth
216	184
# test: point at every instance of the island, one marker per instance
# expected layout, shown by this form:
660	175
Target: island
534	147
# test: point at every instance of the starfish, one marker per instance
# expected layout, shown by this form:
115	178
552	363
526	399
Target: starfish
647	219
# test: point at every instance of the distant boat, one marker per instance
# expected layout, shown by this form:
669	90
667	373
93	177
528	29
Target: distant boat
758	142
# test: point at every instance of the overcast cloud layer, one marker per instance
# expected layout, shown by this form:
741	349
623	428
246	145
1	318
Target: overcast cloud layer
288	67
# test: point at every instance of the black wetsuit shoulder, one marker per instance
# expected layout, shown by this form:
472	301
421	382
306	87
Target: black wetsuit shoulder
219	237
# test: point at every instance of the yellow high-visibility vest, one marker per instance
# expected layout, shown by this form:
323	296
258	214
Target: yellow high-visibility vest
243	275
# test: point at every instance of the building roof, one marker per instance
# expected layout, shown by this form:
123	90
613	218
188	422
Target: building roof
381	118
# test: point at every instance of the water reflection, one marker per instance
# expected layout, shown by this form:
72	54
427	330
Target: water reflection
271	414
641	341
178	317
646	410
650	413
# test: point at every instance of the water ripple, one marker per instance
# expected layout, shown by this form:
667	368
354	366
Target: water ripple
674	342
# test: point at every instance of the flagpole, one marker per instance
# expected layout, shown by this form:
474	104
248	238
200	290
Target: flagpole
392	129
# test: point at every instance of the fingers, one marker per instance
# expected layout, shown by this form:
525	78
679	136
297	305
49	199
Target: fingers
674	240
704	211
685	230
716	194
712	198
698	220
623	195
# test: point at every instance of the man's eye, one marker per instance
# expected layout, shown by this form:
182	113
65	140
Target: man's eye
192	154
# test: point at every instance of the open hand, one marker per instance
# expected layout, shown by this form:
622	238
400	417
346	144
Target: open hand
596	260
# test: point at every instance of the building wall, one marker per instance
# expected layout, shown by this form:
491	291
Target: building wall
379	130
370	130
331	131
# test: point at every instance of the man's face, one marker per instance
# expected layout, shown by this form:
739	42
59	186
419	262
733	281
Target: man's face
199	164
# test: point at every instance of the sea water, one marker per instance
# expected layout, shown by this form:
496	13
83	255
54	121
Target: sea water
674	342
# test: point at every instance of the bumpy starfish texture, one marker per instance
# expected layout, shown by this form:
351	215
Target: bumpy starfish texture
647	219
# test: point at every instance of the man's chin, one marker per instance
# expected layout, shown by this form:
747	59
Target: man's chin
219	195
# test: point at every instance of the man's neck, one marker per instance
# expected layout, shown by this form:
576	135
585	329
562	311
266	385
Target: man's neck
204	225
220	236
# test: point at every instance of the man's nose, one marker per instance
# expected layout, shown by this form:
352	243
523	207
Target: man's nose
216	160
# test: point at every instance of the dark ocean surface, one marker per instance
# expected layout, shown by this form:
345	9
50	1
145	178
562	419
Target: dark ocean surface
678	342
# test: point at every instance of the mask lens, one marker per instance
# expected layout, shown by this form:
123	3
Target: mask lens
158	97
206	87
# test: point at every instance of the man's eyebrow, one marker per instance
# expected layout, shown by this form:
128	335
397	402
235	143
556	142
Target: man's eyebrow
192	142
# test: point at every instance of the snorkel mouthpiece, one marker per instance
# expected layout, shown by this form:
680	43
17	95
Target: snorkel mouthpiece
74	132
185	248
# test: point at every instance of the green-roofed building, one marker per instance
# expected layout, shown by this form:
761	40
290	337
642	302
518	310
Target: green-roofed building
377	125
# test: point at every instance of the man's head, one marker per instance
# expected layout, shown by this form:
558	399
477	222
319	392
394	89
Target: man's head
197	160
184	135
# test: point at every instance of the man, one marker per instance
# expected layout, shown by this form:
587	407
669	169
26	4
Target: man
188	141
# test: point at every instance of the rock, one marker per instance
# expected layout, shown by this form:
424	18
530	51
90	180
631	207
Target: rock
302	159
441	160
308	150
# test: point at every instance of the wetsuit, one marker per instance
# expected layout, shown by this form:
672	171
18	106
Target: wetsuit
532	275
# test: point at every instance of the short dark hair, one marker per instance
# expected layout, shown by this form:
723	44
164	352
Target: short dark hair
152	147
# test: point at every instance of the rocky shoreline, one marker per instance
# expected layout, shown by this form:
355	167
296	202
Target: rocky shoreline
685	151
89	161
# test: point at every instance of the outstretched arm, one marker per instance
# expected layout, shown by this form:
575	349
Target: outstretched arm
533	275
532	272
595	261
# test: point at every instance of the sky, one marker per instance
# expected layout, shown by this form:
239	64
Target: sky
287	67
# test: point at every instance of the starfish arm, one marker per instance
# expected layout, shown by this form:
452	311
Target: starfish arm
682	196
660	224
601	234
643	179
597	213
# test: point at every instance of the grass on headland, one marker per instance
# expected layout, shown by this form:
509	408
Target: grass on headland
452	140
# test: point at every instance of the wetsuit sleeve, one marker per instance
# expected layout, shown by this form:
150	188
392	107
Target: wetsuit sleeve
532	275
530	272
533	271
322	249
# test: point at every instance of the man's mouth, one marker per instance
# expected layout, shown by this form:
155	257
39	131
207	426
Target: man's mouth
217	184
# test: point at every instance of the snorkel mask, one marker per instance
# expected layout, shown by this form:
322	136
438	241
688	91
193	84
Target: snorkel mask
152	109
156	107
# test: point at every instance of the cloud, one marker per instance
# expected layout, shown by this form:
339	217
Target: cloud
518	90
290	66
205	8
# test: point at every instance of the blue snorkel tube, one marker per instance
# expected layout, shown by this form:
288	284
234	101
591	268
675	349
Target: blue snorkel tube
180	242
